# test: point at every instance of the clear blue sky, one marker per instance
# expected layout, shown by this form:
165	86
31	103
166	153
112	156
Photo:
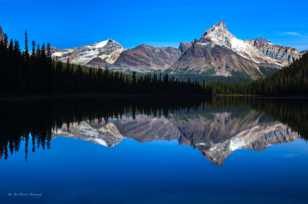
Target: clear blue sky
70	23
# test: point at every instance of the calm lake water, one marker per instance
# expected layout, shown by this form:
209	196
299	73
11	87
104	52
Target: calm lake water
115	151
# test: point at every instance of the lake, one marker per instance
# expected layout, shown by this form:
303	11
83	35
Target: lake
154	151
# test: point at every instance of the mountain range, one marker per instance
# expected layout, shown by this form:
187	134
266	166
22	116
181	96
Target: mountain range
216	54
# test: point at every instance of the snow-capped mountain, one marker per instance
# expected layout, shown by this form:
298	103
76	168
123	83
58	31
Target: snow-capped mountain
220	35
258	51
219	53
284	55
96	55
214	61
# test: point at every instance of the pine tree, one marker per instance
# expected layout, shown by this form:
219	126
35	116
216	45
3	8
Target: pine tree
26	45
33	48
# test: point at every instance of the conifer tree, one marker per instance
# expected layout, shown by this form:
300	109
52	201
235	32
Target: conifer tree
26	45
33	48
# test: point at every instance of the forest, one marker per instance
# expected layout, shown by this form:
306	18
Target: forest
33	72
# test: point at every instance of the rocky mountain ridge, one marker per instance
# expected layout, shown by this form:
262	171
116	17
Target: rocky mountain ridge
258	51
96	55
218	53
284	55
147	58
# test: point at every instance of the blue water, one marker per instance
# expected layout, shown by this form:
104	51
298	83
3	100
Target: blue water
208	153
75	171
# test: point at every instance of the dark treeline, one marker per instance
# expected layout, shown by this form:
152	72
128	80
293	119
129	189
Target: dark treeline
293	113
290	81
33	72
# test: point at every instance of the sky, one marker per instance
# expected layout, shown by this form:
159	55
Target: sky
72	23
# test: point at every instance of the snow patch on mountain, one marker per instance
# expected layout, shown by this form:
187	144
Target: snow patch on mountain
108	51
220	35
99	44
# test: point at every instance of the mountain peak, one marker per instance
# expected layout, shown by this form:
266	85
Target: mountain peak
221	36
98	54
221	25
218	34
104	43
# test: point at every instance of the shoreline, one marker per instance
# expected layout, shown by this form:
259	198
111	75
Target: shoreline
143	96
100	96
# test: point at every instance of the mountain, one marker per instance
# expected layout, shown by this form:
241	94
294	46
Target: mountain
219	53
97	55
284	55
258	51
214	60
147	58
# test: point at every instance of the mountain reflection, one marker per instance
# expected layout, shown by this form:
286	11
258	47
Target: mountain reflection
215	133
215	128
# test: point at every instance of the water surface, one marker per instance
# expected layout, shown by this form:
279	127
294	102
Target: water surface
140	152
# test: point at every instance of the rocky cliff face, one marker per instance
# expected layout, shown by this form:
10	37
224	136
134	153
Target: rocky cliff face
96	55
147	58
227	56
251	50
285	55
184	46
214	60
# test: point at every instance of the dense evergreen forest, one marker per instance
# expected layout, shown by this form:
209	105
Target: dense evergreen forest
290	81
34	72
